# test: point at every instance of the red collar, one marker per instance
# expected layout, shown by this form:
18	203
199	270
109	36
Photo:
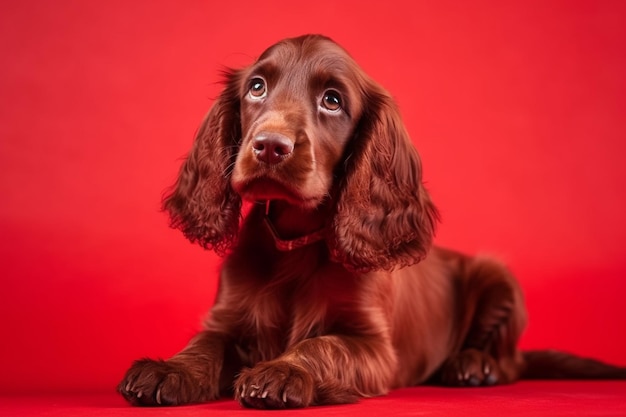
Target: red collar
291	244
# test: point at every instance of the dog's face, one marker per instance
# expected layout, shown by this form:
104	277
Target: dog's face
299	107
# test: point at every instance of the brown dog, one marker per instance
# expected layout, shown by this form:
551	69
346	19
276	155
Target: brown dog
330	289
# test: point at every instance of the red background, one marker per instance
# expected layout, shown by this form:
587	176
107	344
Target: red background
517	109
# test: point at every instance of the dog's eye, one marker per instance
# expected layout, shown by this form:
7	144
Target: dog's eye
331	101
257	88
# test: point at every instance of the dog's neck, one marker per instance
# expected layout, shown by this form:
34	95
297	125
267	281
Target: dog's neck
293	227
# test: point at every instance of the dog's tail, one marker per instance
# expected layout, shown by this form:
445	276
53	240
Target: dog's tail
551	364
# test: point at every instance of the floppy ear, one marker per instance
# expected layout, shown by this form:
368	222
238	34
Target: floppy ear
384	216
202	203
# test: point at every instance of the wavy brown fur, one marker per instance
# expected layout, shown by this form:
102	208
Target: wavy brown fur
202	203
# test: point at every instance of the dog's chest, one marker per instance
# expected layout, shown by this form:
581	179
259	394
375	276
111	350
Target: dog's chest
294	305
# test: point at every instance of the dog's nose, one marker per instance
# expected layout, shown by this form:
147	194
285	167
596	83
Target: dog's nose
271	147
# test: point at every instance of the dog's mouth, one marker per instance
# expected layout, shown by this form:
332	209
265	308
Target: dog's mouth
268	189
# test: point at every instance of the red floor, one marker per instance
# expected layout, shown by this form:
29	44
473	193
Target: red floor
528	398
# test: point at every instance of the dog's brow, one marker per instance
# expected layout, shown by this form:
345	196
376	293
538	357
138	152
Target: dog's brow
327	79
266	68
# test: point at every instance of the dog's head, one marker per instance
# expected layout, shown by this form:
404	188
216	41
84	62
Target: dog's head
304	124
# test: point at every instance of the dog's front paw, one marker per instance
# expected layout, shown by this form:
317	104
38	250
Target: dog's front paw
470	368
274	385
155	383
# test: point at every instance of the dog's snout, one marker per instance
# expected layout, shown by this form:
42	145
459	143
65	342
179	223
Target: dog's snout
271	147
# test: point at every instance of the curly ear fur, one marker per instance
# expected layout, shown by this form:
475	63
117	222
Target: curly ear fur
202	203
384	217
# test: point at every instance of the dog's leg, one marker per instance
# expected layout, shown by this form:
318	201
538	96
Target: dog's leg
191	376
321	370
488	354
